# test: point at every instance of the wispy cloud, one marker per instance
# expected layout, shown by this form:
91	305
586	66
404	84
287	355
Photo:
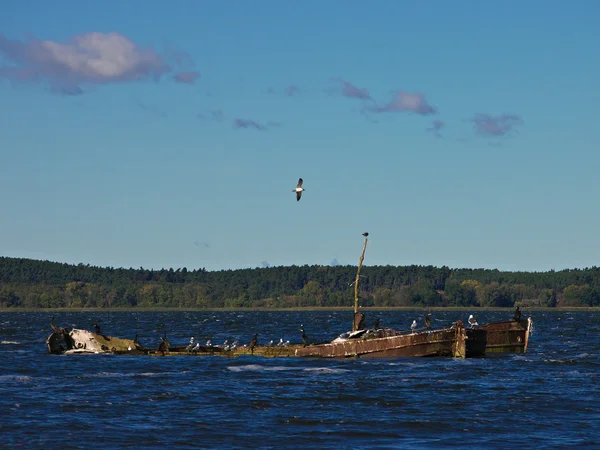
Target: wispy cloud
217	115
189	77
84	60
403	101
435	128
349	90
248	123
496	126
66	90
291	90
288	91
151	108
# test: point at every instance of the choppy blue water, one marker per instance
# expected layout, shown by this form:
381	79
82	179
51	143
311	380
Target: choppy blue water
546	398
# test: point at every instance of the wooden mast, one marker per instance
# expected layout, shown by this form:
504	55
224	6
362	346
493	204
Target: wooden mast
360	262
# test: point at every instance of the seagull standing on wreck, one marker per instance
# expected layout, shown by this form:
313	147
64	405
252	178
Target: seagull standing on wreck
517	315
299	189
413	327
192	343
304	337
428	320
472	321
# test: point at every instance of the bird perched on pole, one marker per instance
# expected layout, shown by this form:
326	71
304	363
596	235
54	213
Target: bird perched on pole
365	234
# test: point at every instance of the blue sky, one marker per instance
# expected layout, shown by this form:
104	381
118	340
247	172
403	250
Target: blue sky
457	133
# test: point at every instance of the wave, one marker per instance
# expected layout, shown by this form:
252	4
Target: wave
133	374
9	343
325	370
22	378
261	368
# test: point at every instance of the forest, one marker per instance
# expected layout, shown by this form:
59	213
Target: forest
27	283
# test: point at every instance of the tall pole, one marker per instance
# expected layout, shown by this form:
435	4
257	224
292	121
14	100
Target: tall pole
360	261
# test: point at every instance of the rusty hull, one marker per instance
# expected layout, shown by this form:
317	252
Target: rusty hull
264	351
455	341
508	337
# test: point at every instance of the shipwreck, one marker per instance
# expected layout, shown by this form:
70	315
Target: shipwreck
361	342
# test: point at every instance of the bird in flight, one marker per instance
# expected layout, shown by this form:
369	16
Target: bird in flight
299	189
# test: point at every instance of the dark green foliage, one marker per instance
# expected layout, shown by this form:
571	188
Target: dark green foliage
34	284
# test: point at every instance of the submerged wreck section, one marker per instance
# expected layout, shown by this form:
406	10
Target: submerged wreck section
262	350
456	341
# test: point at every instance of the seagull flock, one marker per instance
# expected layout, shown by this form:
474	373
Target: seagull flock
195	346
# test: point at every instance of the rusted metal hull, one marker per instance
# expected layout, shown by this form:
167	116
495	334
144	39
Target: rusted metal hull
508	337
83	341
476	344
455	341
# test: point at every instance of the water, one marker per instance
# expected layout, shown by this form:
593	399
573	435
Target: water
546	398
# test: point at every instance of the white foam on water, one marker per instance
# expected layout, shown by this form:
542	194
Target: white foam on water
134	374
259	368
22	378
325	370
10	343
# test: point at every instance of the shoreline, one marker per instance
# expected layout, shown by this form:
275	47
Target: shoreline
308	308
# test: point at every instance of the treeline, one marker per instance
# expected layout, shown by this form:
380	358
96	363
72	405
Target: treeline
44	284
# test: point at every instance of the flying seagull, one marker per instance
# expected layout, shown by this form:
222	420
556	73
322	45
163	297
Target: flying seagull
299	189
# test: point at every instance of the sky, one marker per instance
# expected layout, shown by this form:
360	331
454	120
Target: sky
155	134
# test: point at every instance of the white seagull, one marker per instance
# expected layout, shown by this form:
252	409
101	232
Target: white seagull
472	321
413	327
299	189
